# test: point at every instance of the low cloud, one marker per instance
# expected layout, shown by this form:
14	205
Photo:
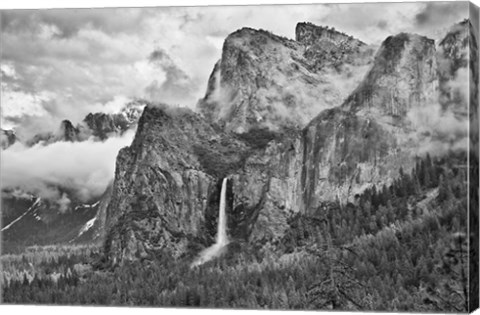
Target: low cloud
439	131
436	18
63	203
86	168
177	87
443	126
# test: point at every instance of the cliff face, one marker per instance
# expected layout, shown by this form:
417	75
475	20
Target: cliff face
264	80
345	153
163	183
325	47
366	140
267	190
474	89
403	76
277	158
456	51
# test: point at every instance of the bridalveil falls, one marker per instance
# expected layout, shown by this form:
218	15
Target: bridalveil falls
222	239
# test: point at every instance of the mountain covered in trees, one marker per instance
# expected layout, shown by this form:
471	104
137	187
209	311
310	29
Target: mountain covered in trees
348	170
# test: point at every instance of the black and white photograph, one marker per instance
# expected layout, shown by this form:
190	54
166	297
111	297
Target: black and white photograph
319	157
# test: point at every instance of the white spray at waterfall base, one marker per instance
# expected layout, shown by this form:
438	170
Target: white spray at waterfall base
222	239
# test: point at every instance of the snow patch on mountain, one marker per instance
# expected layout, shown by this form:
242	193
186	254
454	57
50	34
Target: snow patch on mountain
37	201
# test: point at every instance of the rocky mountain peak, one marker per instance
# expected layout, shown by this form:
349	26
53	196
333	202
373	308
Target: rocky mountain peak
327	47
308	33
256	83
102	125
7	138
133	110
67	132
403	75
457	52
457	37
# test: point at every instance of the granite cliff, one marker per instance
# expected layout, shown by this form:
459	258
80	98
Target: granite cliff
268	81
279	161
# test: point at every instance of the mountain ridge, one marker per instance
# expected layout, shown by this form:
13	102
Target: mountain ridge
257	81
338	154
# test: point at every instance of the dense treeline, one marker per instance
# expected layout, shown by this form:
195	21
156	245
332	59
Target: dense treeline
401	247
407	198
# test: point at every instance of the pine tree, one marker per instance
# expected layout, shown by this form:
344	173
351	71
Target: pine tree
444	189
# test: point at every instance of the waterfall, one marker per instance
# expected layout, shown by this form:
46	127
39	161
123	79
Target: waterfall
222	216
222	239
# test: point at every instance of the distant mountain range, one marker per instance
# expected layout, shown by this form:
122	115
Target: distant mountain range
97	126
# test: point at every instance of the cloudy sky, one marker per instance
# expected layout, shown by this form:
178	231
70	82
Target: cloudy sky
64	63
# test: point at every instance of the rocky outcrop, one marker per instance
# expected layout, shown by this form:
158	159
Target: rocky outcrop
310	34
365	141
103	125
267	81
403	76
96	126
67	132
7	138
345	153
474	88
326	47
267	190
456	50
167	185
164	181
